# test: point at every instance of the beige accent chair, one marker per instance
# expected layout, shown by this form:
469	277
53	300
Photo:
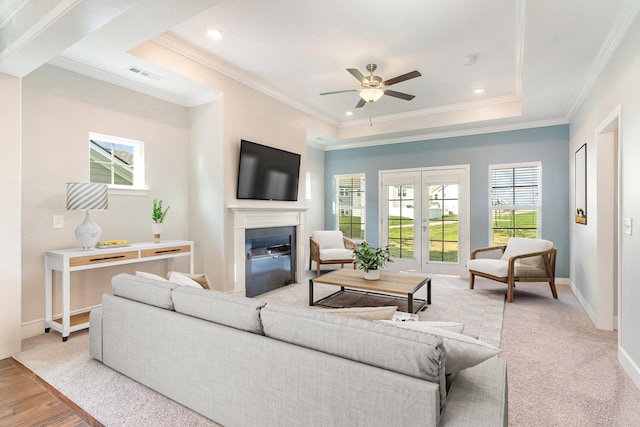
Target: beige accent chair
523	260
330	247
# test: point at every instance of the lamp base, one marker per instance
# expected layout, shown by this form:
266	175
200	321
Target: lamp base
88	233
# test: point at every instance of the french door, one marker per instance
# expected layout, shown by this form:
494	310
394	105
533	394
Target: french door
425	219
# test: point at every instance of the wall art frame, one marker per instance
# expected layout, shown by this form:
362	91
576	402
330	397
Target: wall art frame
581	185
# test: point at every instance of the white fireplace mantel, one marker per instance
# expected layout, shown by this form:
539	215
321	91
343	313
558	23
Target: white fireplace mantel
247	217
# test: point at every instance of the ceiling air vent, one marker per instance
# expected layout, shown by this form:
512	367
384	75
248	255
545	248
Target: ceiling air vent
144	73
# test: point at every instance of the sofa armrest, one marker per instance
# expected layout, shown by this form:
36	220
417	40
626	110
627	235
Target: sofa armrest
478	396
95	333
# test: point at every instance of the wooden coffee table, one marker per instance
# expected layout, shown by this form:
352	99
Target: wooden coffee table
389	283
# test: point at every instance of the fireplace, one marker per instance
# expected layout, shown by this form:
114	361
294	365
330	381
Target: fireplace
270	259
246	218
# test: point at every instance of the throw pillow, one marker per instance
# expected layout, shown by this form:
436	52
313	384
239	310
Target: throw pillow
150	276
462	351
181	279
366	313
420	325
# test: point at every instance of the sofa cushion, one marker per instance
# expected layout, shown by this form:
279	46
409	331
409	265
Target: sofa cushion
520	246
456	327
145	290
463	351
494	267
229	310
328	239
201	279
365	313
335	254
182	279
373	343
150	276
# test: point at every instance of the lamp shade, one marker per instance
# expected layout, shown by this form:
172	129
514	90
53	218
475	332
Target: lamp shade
87	196
371	94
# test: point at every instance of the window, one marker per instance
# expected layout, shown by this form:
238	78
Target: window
115	161
515	200
350	212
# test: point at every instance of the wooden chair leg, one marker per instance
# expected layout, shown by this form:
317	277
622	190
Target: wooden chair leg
471	280
552	284
318	267
510	287
310	260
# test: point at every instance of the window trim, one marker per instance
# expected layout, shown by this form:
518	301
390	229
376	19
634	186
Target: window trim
139	186
537	208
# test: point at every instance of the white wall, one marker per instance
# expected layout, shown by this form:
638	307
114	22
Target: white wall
617	86
206	191
316	200
247	114
10	210
60	108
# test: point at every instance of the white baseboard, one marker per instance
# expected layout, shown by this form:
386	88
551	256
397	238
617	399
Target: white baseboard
629	366
563	281
36	327
583	302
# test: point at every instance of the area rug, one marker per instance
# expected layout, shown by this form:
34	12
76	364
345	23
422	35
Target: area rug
114	399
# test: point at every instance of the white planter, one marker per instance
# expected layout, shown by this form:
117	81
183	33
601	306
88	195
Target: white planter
157	230
371	275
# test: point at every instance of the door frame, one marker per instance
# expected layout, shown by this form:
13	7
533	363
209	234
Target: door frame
464	227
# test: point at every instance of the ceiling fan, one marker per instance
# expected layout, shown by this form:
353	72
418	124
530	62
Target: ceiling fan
373	87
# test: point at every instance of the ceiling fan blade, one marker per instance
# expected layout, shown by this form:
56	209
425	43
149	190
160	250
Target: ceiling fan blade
357	74
361	103
339	91
400	95
411	75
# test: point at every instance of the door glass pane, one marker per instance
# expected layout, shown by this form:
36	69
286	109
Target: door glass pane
400	224
443	223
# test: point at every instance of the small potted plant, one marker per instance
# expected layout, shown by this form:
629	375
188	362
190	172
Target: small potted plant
369	259
157	216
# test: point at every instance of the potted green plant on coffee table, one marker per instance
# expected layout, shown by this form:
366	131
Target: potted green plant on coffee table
369	259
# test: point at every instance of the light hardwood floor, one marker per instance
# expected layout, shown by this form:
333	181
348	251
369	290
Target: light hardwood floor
27	400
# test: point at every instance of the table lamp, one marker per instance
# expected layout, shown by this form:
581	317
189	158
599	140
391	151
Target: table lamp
87	196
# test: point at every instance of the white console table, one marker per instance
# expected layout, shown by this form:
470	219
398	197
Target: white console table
76	259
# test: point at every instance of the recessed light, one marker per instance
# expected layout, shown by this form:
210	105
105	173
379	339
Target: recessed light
215	33
478	91
470	59
349	113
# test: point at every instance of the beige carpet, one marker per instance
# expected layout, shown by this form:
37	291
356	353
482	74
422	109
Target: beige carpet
115	400
562	370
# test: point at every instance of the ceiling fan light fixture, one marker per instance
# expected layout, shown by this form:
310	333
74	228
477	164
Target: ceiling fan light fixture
371	94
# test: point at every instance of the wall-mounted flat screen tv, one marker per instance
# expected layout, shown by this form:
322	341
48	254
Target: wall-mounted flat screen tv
267	173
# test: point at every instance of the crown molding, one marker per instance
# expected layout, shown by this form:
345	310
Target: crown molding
435	110
10	11
104	76
448	134
173	43
624	20
34	31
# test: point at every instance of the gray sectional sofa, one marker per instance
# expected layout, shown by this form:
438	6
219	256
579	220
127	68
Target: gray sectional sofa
242	362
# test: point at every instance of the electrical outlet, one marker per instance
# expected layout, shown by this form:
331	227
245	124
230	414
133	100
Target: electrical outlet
58	221
626	226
